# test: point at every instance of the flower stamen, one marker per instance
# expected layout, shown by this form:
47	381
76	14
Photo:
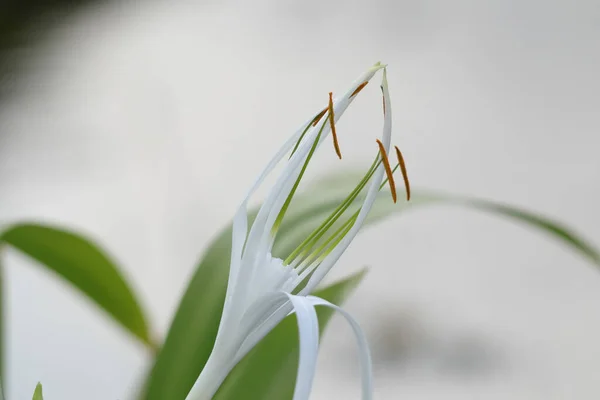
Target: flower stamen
318	117
404	173
358	89
307	245
388	169
288	200
332	123
314	122
383	100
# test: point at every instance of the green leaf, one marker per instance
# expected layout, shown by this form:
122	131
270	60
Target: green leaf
37	395
86	266
541	223
268	372
194	328
338	184
193	331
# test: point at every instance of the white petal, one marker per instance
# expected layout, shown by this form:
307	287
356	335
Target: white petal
370	198
260	319
274	202
240	230
308	330
366	364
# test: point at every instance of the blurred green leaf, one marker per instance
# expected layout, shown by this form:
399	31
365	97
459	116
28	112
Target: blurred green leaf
194	328
89	269
37	395
547	225
339	183
542	224
193	331
268	372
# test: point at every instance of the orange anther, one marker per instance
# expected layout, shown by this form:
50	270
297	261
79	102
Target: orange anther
388	170
358	89
404	173
332	123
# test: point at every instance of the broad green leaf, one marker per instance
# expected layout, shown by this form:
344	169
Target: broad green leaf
194	328
268	372
37	395
86	266
192	333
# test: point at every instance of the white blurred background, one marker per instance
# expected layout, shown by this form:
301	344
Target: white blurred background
143	123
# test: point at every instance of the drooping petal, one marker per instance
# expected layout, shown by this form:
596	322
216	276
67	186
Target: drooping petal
366	364
308	331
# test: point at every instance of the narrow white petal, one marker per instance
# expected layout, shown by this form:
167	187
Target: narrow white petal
260	319
240	228
366	364
308	330
238	237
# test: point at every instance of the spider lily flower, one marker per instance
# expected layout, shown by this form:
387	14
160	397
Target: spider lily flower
263	289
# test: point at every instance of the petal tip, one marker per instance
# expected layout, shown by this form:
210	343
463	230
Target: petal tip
377	66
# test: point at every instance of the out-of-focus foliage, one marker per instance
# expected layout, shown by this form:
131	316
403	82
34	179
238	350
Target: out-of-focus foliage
76	259
339	183
37	394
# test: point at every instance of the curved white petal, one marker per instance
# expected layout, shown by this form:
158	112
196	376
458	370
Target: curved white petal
308	330
261	318
240	221
240	226
366	364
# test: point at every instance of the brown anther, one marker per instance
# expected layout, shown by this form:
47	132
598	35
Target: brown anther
319	116
383	105
359	88
332	123
388	170
404	173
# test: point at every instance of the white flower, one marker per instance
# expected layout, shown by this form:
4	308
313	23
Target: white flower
262	289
